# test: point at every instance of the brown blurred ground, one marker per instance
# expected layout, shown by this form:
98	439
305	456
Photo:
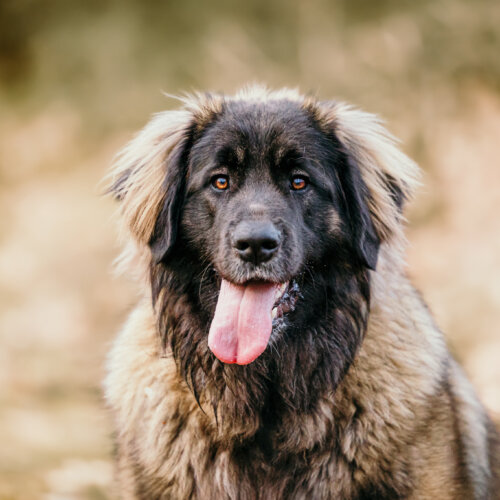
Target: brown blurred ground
77	78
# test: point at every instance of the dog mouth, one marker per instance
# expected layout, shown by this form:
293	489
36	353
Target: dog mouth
286	298
245	316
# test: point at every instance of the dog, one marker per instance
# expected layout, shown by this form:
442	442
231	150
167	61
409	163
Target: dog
278	349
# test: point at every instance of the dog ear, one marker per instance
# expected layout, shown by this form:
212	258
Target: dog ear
397	194
365	239
377	178
149	179
164	234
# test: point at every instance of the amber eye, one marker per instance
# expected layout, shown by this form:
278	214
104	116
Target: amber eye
220	182
299	182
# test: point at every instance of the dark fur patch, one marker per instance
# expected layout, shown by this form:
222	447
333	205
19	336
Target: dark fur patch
166	226
355	193
117	188
396	192
303	365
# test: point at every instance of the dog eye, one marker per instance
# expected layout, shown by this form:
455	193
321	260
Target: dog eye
220	182
299	182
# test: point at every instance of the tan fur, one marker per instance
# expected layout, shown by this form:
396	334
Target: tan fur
403	382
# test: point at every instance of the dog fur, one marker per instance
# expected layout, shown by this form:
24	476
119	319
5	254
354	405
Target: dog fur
388	414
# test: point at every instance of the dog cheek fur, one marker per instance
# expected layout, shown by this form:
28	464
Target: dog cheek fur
199	227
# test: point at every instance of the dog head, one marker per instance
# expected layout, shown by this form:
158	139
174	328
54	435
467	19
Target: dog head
261	190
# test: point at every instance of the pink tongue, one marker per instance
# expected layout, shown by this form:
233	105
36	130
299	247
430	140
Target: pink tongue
242	322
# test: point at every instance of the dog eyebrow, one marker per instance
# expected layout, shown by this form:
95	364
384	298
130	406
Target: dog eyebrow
279	154
230	156
284	154
240	154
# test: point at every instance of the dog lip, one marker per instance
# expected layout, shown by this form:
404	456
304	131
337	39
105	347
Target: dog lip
289	294
280	292
249	280
281	287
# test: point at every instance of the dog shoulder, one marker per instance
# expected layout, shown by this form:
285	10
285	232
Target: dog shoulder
129	361
154	412
417	409
139	378
479	439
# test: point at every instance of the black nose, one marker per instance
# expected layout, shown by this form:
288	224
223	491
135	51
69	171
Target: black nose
256	241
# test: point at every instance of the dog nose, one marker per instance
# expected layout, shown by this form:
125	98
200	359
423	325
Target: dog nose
256	241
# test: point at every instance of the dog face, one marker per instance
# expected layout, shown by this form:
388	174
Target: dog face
265	195
271	194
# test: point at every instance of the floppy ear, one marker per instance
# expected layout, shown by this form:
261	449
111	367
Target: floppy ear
376	176
149	179
355	193
165	230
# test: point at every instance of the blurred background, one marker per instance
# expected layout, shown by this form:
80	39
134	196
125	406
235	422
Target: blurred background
77	79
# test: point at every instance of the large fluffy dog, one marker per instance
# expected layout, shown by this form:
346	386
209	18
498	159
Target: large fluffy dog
279	350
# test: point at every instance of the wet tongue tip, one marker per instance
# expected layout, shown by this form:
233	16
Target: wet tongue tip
242	322
247	356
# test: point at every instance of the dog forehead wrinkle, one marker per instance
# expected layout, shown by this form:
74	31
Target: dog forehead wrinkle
261	125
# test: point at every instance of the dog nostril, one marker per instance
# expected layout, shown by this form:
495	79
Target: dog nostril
241	245
270	244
